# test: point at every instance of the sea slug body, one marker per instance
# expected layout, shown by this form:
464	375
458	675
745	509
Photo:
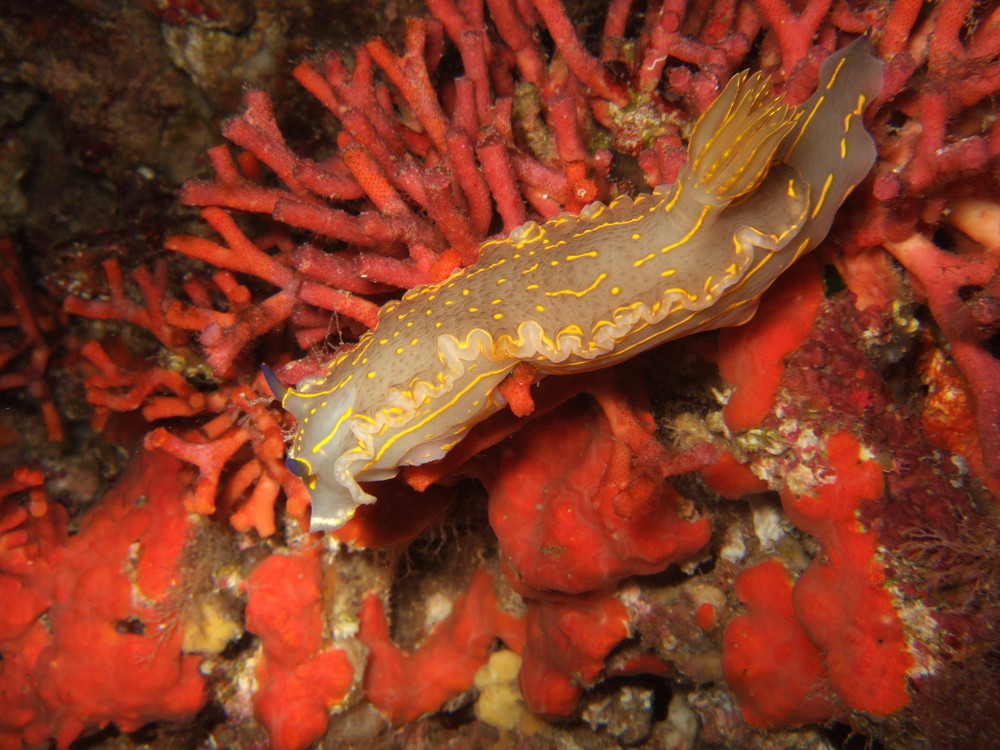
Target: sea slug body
761	188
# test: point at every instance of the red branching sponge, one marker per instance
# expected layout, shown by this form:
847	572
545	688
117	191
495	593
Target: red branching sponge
238	448
963	293
225	335
405	685
768	659
841	599
423	186
121	384
25	333
567	643
579	500
33	482
148	314
300	678
248	434
112	650
956	46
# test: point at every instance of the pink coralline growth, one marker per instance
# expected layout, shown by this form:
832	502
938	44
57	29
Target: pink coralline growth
768	659
404	685
579	502
111	651
963	293
929	151
299	678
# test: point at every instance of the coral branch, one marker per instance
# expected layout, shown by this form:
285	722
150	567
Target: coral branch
25	331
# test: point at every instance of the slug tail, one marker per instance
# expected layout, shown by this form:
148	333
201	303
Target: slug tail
829	145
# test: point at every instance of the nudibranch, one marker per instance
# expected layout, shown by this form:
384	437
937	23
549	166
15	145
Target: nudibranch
761	186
